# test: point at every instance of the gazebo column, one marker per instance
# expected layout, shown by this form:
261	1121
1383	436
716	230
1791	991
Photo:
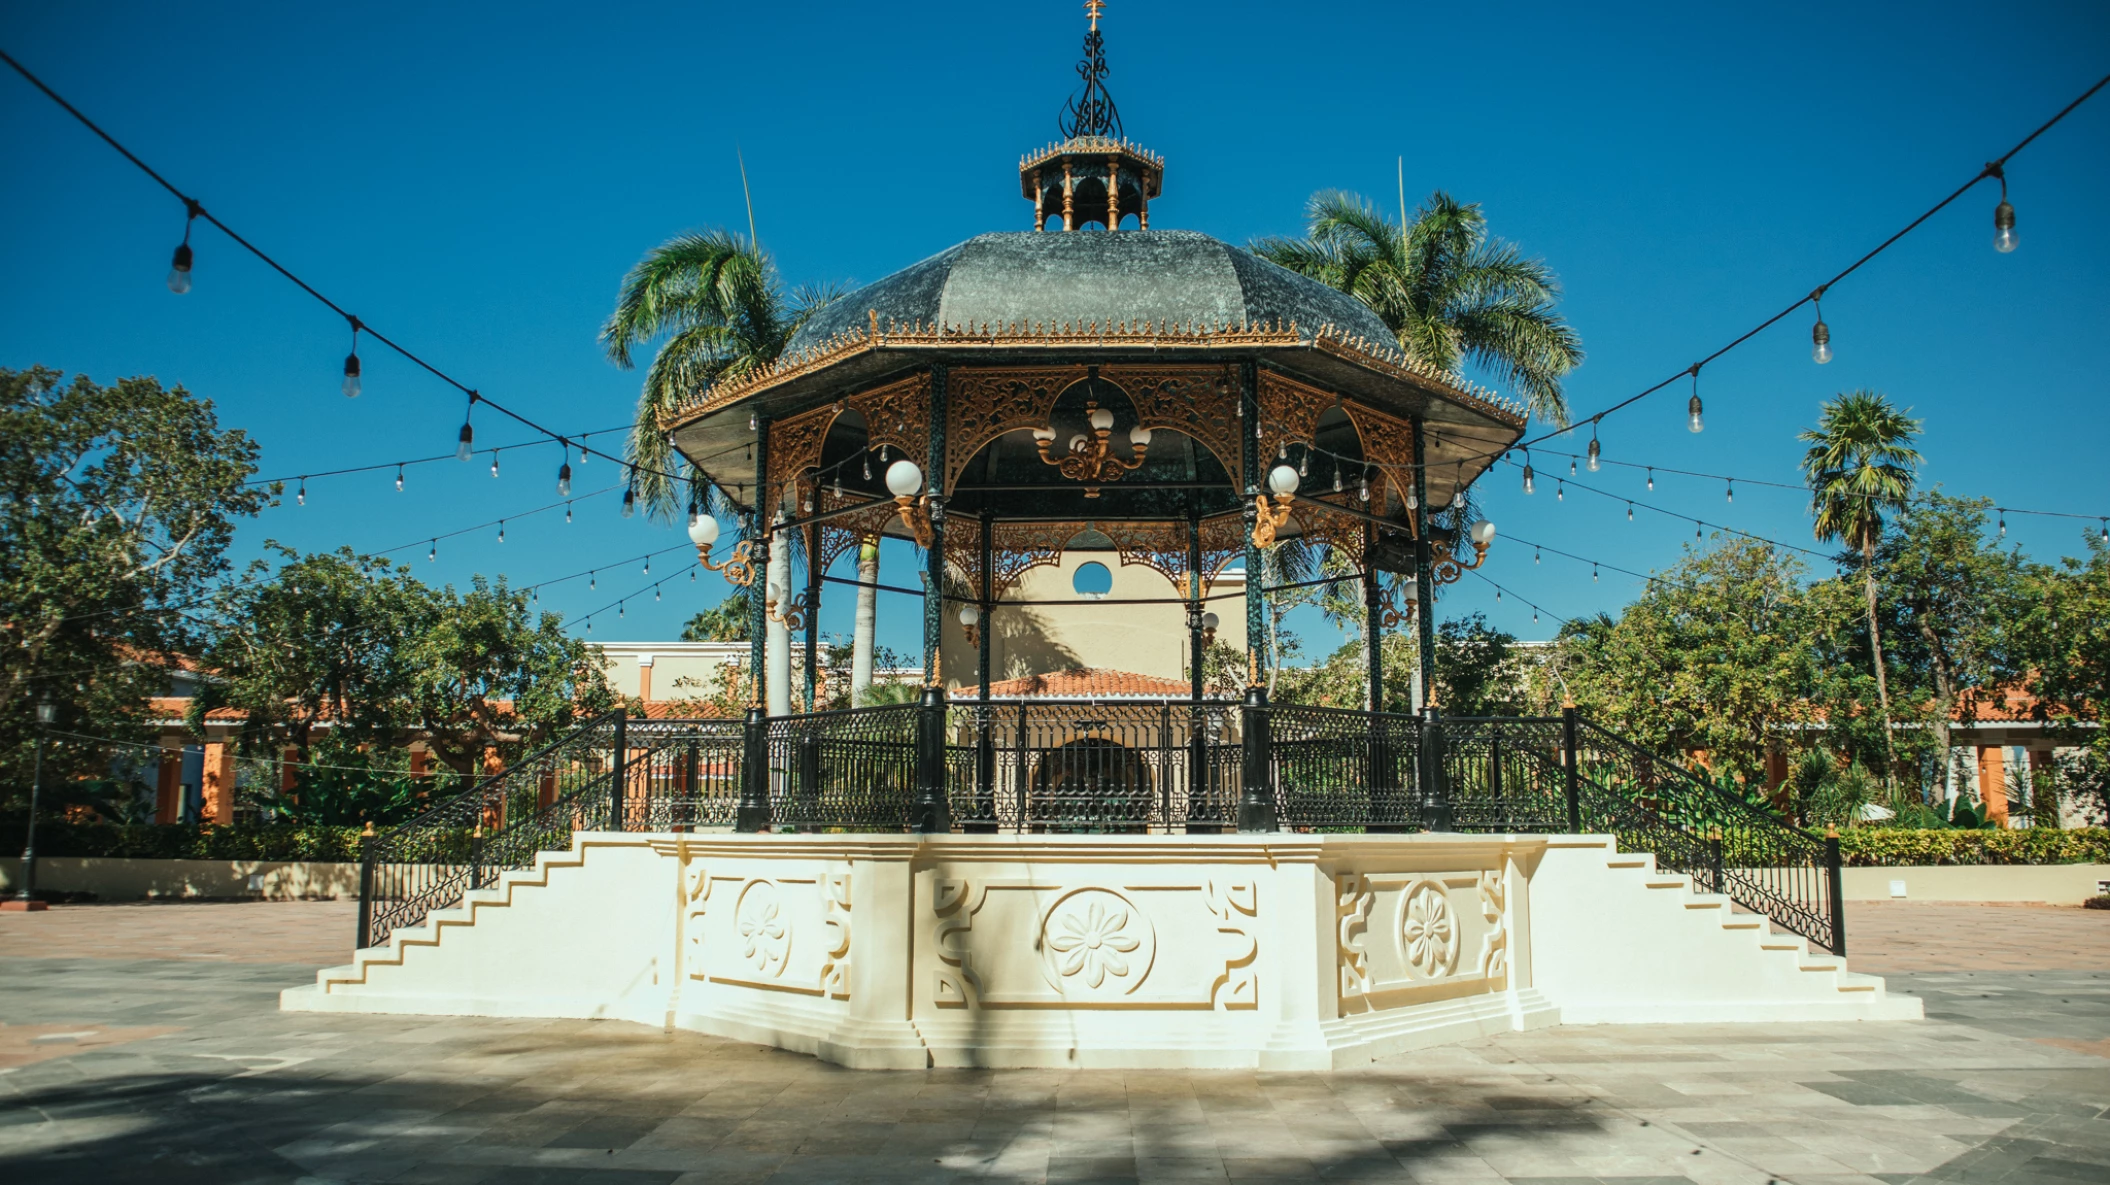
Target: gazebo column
1256	802
1435	795
932	813
1373	625
753	811
1203	815
813	617
984	742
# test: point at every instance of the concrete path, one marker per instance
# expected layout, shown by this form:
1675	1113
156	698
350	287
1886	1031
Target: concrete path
142	1043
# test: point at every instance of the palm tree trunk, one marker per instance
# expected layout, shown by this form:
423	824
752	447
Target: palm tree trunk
867	619
778	641
1875	643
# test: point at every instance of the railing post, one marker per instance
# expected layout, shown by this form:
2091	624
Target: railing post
1387	797
622	771
1203	817
933	813
1436	790
1714	858
753	812
1256	801
809	797
366	887
1022	760
1838	891
1569	769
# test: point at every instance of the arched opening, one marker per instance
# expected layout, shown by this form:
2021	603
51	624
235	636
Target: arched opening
1092	580
1091	784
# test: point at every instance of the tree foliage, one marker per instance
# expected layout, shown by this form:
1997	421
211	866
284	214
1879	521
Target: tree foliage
117	505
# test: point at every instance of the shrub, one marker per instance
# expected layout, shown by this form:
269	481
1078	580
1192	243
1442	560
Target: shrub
179	842
1895	846
2102	902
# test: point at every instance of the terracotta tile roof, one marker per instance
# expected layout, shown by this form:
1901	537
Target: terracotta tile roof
685	709
1082	683
1998	704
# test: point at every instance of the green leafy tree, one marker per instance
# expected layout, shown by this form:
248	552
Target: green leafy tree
1952	597
726	622
1861	466
718	309
117	504
2064	634
1722	653
1479	670
1448	291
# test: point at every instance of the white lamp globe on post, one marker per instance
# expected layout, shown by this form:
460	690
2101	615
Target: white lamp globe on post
703	531
1139	436
1282	479
1482	533
1102	420
904	479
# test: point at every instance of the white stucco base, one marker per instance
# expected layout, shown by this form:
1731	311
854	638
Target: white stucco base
1277	952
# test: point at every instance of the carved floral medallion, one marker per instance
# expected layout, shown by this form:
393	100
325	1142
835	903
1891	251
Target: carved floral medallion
1428	931
1096	940
765	933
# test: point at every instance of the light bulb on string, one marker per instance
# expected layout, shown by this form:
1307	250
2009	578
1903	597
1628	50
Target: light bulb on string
1692	406
2106	530
1498	594
534	595
868	467
465	443
1652	480
754	424
692	575
630	498
1535	557
1592	463
1820	333
1534	615
1363	489
621	610
2003	524
494	462
882	454
350	386
1529	485
1282	451
1728	490
399	479
567	512
655	594
1304	463
564	480
179	267
1571	466
648	565
501	530
1593	573
2004	239
433	555
1560	490
593	581
1630	512
1336	479
589	625
300	497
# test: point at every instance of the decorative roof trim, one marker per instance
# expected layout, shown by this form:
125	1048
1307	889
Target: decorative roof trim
849	343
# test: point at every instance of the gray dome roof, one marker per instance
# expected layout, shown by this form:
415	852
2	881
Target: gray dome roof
1083	277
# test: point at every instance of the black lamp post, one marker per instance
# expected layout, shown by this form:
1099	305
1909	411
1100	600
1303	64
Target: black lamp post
26	896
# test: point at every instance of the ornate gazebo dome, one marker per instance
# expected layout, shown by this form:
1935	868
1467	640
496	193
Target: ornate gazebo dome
1024	279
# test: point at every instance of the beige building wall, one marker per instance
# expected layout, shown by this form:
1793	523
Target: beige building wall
652	670
1101	633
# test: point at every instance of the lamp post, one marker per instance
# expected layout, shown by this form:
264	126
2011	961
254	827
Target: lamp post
26	896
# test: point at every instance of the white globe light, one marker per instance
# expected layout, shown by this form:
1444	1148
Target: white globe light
776	591
1140	435
969	615
903	479
1043	433
1413	592
1483	531
703	530
1283	480
1077	442
1102	419
1210	621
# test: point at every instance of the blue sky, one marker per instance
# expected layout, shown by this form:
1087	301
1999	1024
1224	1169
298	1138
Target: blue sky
475	179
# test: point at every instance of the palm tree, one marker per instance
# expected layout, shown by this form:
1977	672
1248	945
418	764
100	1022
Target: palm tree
1860	465
718	309
1444	288
867	621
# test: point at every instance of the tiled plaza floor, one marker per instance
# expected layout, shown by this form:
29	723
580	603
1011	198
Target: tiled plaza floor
144	1044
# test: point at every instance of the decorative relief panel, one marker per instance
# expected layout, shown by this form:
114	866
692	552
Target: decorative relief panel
1388	443
1014	943
787	933
1199	402
795	443
1408	938
982	404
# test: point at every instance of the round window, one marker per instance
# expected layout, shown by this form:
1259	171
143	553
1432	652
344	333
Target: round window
1092	580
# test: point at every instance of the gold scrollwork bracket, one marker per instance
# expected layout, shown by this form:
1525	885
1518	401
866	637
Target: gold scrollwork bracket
1269	519
738	569
915	515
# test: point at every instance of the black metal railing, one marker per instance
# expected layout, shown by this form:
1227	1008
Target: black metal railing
1099	766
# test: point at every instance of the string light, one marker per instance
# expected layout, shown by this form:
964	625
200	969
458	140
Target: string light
1529	486
1336	479
2004	239
1571	466
1304	463
465	442
501	530
1820	333
1560	490
351	363
567	512
753	424
1729	492
2003	524
433	555
1593	573
1630	512
1363	488
868	467
1651	481
655	594
179	267
564	483
2106	530
399	479
494	462
630	497
300	497
621	610
593	581
1692	406
648	565
1593	461
1535	556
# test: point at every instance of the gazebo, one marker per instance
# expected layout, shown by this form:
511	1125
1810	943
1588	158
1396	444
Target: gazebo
1091	383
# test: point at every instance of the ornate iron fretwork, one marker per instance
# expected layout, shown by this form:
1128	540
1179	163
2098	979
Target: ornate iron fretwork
1388	443
795	444
1090	112
897	414
1290	409
1201	402
984	404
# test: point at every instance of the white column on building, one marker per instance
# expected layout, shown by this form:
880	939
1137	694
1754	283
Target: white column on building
778	640
867	620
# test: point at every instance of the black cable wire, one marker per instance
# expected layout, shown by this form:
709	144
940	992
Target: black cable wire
386	465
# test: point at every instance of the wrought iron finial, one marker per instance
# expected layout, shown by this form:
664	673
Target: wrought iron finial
1090	112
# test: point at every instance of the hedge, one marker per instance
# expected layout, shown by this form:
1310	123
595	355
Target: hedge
1889	847
179	842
